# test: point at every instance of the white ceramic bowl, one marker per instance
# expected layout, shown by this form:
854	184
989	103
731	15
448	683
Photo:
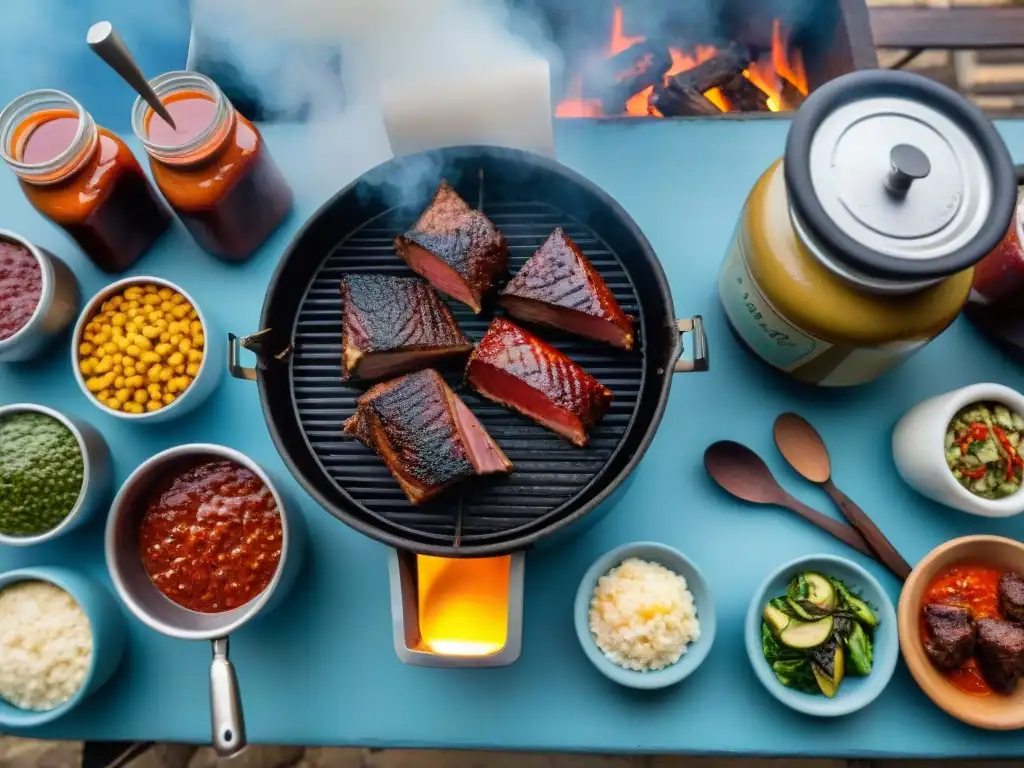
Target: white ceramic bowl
97	477
202	386
918	449
54	312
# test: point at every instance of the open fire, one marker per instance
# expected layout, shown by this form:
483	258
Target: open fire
645	77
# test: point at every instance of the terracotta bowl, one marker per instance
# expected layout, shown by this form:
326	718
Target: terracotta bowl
993	712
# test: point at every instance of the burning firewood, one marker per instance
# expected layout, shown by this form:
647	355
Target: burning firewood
627	73
744	96
675	102
790	97
727	63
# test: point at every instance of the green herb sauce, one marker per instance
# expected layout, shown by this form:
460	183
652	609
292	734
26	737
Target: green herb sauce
41	473
982	450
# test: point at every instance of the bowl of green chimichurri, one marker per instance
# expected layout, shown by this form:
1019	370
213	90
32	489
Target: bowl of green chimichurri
964	449
54	473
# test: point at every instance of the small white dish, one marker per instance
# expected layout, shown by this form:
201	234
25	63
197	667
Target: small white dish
918	449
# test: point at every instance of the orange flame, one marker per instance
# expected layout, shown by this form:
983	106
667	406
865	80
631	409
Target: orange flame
767	74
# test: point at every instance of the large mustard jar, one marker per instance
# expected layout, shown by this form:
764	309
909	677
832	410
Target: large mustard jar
857	248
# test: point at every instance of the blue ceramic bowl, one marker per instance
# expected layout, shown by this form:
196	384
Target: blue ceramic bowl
678	563
108	634
854	692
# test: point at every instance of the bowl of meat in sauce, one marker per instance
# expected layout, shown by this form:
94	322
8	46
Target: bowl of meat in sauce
961	627
38	298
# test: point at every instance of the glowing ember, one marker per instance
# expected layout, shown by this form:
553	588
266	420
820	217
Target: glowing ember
779	74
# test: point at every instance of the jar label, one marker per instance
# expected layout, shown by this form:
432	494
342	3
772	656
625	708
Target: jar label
771	336
788	348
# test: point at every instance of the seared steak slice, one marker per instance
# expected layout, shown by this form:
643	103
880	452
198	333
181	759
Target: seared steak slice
560	288
391	325
425	434
1001	653
456	249
951	635
513	367
1011	596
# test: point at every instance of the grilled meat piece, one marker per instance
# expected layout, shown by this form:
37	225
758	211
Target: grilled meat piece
952	632
391	325
514	368
1001	653
1011	596
560	288
425	434
456	249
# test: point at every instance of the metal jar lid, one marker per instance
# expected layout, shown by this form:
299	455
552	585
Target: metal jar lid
896	178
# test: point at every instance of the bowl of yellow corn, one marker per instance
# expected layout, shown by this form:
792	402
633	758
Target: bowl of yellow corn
142	350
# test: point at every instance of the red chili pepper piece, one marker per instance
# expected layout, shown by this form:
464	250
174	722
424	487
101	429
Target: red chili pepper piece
974	474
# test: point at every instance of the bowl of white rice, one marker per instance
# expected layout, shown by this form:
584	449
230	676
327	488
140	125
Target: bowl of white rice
644	615
61	638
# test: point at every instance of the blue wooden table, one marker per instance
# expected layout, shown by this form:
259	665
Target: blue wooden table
322	670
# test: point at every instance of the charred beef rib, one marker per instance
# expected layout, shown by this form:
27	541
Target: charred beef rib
391	325
951	635
1001	653
1011	596
425	434
456	249
514	368
560	288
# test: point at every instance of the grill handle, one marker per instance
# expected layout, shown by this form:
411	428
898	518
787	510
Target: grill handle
254	343
694	325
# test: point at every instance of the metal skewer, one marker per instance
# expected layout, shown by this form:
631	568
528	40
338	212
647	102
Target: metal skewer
109	46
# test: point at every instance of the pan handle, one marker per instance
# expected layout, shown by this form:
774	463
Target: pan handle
226	719
694	325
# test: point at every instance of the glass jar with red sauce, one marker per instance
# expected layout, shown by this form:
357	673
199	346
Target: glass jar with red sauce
996	302
213	167
82	177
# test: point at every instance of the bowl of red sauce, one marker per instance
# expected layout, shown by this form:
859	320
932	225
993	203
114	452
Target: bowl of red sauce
961	628
39	298
200	541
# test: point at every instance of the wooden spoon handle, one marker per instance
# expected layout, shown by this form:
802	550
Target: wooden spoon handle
859	519
841	531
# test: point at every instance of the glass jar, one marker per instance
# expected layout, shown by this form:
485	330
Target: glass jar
857	248
996	303
82	177
212	167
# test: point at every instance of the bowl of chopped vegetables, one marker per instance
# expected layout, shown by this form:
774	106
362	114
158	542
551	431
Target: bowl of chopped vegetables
54	473
962	449
821	636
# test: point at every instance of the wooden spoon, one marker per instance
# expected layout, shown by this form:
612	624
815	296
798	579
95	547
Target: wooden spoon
741	472
805	451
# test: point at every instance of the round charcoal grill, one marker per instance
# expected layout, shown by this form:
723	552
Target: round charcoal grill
305	400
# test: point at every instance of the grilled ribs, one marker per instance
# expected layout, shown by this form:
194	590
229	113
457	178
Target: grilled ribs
392	325
560	288
514	368
456	249
951	635
425	434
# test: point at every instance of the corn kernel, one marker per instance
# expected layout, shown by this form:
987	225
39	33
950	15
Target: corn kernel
119	382
176	358
177	298
151	331
168	398
119	319
192	369
198	340
154	372
154	405
133	381
104	394
113	403
140	396
133	407
133	350
154	390
166	374
165	293
94	384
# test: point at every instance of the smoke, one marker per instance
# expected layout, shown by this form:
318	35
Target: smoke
406	75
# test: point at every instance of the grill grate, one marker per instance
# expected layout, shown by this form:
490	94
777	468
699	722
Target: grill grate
549	472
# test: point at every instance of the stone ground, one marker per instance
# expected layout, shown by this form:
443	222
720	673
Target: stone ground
28	753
